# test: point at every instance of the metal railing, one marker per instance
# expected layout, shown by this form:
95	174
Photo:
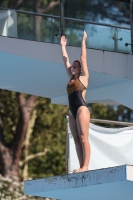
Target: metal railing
111	122
67	18
131	22
116	38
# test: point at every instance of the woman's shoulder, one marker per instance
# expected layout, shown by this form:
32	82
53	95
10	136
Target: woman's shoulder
84	80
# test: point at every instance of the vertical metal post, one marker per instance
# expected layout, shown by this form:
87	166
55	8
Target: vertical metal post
115	40
67	144
131	23
62	22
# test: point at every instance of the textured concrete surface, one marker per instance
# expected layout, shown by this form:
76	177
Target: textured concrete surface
115	182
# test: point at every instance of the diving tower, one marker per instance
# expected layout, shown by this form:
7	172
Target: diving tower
110	183
37	68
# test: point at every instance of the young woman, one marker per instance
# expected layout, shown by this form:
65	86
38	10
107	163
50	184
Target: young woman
79	115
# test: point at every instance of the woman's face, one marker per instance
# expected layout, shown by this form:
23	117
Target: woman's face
75	68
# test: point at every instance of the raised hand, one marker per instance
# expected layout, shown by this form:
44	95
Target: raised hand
84	35
63	41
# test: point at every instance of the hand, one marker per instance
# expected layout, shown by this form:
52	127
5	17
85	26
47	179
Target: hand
63	41
84	35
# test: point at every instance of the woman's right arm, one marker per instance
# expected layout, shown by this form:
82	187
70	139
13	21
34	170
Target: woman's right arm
64	55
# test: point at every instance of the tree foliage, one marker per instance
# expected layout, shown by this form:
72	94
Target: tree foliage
48	137
14	191
112	12
11	147
48	133
111	112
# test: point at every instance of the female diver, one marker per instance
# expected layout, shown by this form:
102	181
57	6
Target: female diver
79	115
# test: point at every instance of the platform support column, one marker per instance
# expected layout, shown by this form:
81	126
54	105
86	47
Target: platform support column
67	143
62	22
131	23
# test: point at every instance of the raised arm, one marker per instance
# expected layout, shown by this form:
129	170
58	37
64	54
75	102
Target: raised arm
64	55
83	57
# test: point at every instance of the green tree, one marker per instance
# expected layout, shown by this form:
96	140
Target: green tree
49	132
13	129
31	129
111	112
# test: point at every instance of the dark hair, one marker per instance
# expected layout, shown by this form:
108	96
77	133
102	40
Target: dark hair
78	61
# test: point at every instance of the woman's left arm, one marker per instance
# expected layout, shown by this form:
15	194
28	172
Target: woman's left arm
83	57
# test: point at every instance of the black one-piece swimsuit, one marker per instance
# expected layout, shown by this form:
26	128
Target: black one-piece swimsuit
74	89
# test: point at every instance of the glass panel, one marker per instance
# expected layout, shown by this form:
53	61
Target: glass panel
125	35
44	29
38	28
99	37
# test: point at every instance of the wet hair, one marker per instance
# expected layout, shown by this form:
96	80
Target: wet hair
78	61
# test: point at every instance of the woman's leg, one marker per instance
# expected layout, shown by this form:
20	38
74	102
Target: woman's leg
78	145
83	121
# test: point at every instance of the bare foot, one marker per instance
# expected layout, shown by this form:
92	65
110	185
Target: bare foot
74	171
80	170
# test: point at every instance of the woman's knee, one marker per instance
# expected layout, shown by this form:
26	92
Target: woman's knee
83	139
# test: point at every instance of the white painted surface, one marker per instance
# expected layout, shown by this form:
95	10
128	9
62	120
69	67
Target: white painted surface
120	93
95	60
130	67
117	68
110	63
8	23
103	184
109	147
129	172
37	68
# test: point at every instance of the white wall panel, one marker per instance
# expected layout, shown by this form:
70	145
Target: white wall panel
47	77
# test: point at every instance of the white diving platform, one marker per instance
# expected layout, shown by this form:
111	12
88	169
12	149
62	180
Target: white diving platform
37	68
102	184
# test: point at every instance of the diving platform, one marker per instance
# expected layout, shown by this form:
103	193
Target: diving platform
102	184
37	68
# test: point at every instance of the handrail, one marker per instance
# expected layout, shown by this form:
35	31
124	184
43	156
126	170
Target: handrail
102	121
95	23
111	122
67	18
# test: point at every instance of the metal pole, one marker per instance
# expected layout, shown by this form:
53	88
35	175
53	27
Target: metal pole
62	22
67	144
115	39
131	19
111	122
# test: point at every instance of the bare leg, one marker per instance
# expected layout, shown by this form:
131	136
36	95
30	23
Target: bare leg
83	121
77	141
